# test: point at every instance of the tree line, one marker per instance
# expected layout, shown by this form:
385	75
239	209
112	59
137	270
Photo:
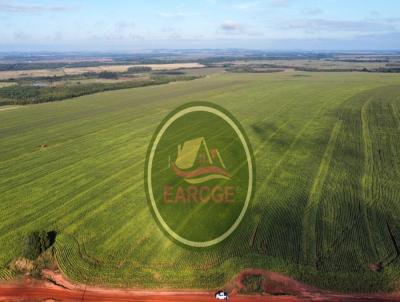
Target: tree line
27	94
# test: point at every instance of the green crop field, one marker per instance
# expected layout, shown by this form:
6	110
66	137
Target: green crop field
327	206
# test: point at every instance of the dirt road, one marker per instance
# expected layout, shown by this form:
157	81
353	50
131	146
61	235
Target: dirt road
42	294
55	287
48	292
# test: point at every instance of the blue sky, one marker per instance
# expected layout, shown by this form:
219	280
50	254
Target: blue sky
135	25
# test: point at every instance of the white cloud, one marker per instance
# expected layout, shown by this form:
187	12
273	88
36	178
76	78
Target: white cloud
328	25
247	6
124	25
174	15
279	3
12	7
232	27
313	11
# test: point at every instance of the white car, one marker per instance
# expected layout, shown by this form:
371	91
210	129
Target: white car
221	295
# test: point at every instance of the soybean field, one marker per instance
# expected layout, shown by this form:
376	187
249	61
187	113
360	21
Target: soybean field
327	203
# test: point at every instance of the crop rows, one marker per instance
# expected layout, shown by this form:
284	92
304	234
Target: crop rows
326	203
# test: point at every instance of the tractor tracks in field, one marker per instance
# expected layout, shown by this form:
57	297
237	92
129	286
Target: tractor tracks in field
309	248
310	213
367	178
368	155
394	242
366	221
396	114
295	140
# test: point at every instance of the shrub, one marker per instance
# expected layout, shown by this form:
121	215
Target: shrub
137	69
37	242
108	75
253	284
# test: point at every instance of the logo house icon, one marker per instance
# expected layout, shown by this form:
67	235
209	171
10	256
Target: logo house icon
196	164
201	176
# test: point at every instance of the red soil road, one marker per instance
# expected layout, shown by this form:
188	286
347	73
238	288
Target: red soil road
57	288
44	293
